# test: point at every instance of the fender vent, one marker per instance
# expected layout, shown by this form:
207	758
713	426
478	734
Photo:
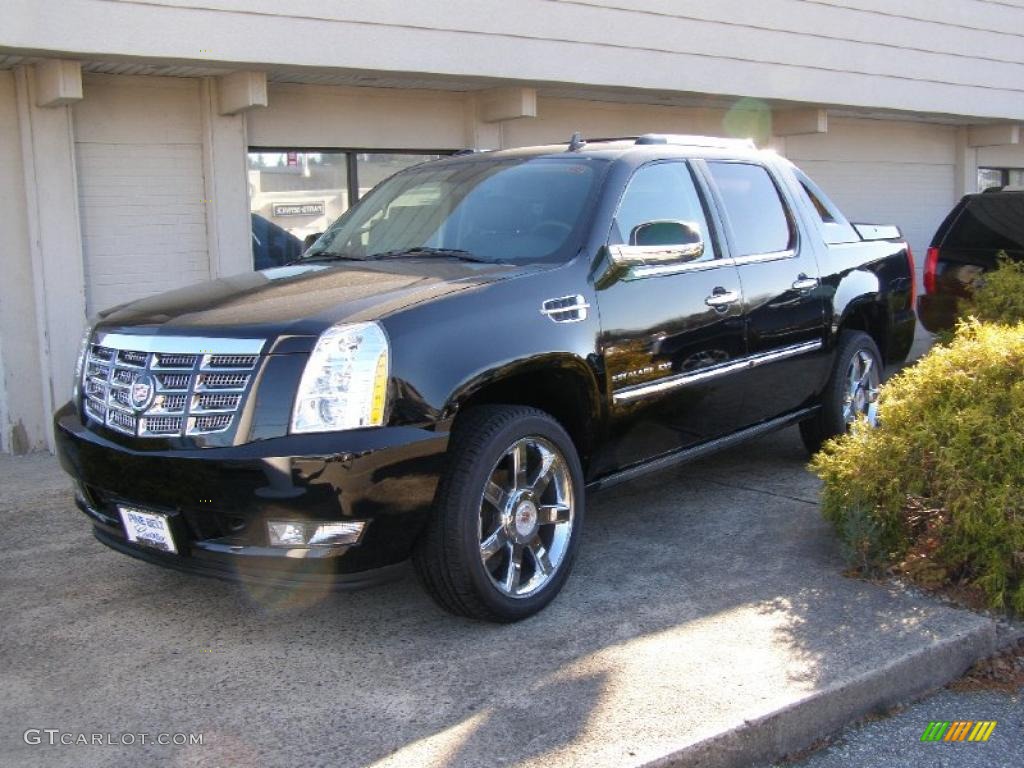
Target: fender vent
568	309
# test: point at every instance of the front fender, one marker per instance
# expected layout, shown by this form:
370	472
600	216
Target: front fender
446	351
564	365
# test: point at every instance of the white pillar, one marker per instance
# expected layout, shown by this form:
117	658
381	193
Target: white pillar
479	134
966	167
225	148
55	239
23	427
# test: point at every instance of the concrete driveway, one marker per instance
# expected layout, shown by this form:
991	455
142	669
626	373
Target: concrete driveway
707	623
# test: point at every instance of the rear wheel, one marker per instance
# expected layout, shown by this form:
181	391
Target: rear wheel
851	392
508	516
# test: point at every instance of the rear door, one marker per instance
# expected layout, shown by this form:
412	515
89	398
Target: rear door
667	330
784	305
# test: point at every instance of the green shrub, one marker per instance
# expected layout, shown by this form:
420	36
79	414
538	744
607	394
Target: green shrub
938	487
998	296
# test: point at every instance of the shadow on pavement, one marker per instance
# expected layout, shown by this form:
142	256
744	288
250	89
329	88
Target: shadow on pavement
702	598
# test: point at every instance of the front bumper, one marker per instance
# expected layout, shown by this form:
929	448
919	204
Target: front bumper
219	499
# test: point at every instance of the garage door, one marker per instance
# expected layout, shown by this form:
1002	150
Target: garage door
140	177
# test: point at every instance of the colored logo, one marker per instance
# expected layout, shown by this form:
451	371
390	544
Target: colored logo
959	730
142	390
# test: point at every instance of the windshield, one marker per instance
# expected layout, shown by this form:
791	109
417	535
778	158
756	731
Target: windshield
502	210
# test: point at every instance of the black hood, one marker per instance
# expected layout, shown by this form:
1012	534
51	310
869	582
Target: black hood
305	298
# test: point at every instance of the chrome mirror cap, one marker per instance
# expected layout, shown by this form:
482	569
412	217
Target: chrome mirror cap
652	244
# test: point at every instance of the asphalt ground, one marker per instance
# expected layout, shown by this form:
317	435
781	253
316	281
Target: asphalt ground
895	742
707	622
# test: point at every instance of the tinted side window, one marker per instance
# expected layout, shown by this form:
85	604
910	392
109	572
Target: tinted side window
662	192
823	212
990	222
834	226
759	221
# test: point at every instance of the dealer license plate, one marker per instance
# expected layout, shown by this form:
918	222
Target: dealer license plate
150	529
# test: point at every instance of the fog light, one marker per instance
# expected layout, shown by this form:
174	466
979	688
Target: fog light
311	533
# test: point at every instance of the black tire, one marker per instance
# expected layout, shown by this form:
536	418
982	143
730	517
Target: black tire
830	421
447	558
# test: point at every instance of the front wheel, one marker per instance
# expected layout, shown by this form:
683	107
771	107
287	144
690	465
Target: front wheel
508	516
851	392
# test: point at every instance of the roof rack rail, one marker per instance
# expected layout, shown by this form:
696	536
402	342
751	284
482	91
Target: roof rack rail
606	139
696	141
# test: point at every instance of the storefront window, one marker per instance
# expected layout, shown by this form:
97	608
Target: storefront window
294	195
373	168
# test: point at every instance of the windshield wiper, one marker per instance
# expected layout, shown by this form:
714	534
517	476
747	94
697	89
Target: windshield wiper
425	251
324	256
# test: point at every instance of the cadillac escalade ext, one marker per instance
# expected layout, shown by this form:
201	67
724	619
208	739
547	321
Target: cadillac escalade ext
471	349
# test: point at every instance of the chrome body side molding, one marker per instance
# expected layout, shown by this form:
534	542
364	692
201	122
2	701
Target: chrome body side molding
628	394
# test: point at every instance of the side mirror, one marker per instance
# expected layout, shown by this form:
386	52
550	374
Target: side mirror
651	244
668	233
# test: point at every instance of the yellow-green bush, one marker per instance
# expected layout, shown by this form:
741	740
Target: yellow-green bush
998	296
942	477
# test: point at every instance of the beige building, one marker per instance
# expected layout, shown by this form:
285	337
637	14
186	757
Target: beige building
150	145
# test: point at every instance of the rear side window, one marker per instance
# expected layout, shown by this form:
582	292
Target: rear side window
834	226
823	212
760	222
991	222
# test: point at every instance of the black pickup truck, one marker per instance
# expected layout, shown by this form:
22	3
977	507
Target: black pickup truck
467	352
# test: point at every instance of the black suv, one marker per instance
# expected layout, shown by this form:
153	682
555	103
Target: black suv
966	246
467	352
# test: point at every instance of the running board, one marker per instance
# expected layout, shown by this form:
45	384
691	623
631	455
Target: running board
704	449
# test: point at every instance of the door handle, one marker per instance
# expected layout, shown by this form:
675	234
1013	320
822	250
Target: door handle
720	298
805	283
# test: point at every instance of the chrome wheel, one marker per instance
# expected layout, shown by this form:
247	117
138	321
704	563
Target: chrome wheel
862	389
526	517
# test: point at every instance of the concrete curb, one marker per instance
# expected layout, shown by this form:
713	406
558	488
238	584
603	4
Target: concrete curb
825	712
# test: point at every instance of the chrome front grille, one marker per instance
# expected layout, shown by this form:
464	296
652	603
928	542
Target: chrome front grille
231	361
149	386
162	425
132	358
163	362
174	382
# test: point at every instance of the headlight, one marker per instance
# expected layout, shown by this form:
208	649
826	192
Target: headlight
344	385
83	349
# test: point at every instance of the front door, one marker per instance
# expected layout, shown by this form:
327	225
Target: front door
665	327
